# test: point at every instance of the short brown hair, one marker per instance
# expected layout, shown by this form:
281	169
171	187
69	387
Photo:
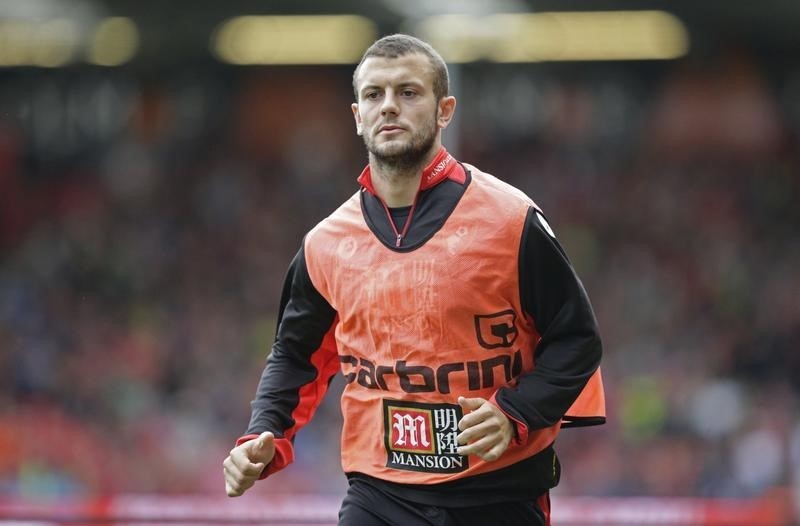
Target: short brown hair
399	45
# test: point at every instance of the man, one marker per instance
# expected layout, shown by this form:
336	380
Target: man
440	292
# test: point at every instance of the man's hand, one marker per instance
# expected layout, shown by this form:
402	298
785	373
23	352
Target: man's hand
486	430
246	462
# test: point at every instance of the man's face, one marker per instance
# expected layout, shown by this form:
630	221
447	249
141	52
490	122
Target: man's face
397	112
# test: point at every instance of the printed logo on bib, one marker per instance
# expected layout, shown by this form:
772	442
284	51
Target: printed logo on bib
496	330
422	437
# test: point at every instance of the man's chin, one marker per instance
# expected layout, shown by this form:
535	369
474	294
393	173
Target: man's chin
391	150
400	153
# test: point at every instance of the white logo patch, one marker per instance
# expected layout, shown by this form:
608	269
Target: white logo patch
545	224
347	247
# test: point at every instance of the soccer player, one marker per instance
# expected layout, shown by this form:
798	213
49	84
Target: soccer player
442	295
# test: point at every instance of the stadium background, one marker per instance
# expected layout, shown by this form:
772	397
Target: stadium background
152	194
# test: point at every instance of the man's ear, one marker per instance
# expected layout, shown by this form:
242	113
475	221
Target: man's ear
445	111
357	118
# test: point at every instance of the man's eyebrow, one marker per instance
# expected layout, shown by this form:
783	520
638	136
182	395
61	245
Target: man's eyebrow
403	84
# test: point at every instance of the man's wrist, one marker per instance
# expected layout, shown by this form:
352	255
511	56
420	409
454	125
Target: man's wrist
519	428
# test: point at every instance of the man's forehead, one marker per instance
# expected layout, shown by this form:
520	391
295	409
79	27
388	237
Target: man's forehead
414	66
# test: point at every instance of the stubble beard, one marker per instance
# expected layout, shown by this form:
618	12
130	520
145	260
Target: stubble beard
406	157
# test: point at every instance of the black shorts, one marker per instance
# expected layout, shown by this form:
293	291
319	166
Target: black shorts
366	505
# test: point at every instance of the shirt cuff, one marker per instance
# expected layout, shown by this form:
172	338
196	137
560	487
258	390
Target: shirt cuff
520	429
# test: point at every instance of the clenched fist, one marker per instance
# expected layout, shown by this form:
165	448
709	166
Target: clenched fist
485	431
246	462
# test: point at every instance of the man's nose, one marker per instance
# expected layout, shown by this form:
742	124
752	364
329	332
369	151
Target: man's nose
390	103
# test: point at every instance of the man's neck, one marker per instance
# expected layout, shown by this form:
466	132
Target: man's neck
398	185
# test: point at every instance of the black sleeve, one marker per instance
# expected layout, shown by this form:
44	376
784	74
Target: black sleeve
570	349
298	357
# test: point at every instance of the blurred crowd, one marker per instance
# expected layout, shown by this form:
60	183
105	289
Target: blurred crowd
146	224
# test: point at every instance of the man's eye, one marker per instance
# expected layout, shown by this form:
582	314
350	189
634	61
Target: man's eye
372	95
408	93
